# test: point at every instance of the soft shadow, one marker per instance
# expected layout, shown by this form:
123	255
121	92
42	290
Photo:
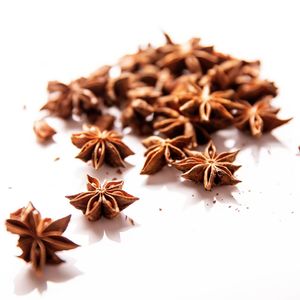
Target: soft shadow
234	139
166	175
27	280
112	228
219	194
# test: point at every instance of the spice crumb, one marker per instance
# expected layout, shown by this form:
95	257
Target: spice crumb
119	171
160	209
214	201
229	206
56	158
193	195
114	178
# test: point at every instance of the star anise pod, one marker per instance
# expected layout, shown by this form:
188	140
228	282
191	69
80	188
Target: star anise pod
43	130
134	62
231	73
203	102
101	146
39	238
209	167
255	89
174	124
161	152
135	115
105	200
258	118
65	100
192	56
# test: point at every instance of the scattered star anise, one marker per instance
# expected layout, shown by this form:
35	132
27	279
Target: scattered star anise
39	238
161	152
43	130
101	146
209	167
258	118
105	200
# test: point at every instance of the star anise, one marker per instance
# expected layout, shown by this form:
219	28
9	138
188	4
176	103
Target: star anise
258	118
105	200
192	56
101	146
135	115
203	102
209	167
173	124
161	152
230	74
43	130
39	238
255	89
65	100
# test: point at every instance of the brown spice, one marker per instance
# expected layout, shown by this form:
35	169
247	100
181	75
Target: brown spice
43	131
39	238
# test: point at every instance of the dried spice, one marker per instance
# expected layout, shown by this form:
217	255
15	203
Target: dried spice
257	118
161	152
66	100
209	167
101	146
40	239
43	130
105	200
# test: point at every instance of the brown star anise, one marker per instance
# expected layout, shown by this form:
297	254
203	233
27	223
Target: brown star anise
208	167
203	102
192	56
105	200
65	100
174	124
101	146
39	238
258	118
161	152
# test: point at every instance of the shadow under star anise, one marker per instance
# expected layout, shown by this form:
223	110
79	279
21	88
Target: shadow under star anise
112	228
26	280
221	194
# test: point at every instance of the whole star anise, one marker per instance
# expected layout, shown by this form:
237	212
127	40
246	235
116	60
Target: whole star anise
209	167
39	238
161	152
192	56
105	200
65	100
101	146
203	102
258	118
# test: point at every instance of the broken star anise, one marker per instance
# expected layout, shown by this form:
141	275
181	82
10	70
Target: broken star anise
161	152
43	130
39	238
209	167
101	146
105	200
258	118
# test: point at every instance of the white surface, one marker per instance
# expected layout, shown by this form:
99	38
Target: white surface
244	246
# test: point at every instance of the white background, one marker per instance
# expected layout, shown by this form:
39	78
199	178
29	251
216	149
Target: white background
243	246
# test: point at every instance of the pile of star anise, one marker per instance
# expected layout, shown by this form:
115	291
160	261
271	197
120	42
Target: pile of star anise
176	96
